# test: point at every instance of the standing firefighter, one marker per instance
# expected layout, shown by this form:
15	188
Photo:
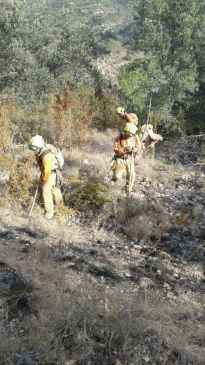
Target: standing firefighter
126	146
126	117
50	160
149	138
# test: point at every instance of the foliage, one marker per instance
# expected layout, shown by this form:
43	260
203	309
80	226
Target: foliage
23	37
63	212
40	45
86	194
5	132
166	69
64	120
46	43
105	99
132	81
24	122
196	110
69	116
20	180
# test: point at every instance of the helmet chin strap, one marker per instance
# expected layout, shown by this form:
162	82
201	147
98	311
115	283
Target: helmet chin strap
38	150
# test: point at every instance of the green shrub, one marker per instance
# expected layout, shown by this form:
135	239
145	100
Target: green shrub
86	194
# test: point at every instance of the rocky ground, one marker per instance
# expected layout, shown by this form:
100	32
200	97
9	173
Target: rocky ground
122	283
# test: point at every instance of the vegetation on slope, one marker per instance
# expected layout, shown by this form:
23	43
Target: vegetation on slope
111	280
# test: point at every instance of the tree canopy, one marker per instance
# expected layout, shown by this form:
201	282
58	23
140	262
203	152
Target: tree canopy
167	63
43	44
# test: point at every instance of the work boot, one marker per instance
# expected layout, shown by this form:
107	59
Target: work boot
49	216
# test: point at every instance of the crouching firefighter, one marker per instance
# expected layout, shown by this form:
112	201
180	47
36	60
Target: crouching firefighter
50	160
149	139
126	146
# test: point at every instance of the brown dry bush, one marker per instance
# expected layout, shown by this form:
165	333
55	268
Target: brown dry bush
20	181
104	115
70	116
97	327
5	132
9	343
140	218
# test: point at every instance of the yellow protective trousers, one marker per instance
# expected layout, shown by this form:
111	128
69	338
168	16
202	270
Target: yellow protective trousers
51	194
124	167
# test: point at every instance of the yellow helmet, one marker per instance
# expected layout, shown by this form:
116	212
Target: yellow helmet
35	143
120	110
130	128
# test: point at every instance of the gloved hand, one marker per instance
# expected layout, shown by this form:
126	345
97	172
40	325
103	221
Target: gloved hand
129	149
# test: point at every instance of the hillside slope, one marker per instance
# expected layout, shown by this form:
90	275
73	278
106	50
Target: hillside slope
119	283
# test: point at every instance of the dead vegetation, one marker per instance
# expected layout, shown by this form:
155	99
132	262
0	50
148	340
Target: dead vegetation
86	306
142	218
74	319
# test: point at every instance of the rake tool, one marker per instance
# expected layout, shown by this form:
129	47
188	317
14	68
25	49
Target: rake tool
34	201
131	174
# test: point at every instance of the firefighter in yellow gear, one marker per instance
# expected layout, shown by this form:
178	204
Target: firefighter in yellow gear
148	138
126	145
45	156
126	117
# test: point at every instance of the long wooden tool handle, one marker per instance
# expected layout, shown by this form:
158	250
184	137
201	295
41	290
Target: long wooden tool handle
34	201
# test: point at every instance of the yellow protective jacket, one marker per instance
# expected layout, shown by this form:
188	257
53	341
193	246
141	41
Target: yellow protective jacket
123	143
130	118
147	135
47	162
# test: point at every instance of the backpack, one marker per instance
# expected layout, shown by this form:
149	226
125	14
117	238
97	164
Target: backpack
57	154
134	117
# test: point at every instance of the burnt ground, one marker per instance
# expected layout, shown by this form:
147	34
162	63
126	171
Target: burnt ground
119	284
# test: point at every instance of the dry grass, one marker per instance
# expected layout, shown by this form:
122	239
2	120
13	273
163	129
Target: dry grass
141	219
74	317
89	323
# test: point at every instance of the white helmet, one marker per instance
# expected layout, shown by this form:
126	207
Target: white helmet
35	143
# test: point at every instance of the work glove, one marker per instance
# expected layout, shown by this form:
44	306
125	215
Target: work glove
129	149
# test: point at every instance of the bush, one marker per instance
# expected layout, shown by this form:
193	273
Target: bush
20	183
86	194
140	219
